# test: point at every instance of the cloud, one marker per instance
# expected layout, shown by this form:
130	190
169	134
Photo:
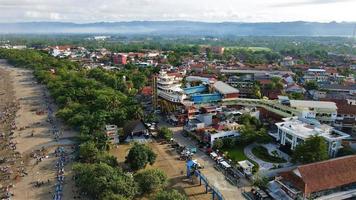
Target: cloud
309	2
198	10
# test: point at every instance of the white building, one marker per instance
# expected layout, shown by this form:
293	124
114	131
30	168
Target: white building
293	131
220	135
246	166
323	111
169	88
318	75
112	133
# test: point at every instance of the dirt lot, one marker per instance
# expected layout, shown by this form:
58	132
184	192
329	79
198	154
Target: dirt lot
167	160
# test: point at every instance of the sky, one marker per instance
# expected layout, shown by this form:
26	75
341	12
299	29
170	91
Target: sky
84	11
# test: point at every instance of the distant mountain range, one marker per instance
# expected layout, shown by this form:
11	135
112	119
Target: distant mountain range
179	28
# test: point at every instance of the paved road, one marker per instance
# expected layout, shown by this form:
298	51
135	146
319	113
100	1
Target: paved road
215	178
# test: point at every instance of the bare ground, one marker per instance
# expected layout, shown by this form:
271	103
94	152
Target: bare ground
168	161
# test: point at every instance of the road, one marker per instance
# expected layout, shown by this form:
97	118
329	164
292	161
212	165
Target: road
215	178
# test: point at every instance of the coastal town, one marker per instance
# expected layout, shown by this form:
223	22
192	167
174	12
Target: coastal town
221	126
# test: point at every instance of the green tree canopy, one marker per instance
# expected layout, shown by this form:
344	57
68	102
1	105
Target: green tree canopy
314	149
165	133
99	180
150	180
170	195
139	156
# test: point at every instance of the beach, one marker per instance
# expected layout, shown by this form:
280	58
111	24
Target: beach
37	149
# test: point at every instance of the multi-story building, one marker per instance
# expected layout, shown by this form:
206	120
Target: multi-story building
120	59
318	75
169	87
323	111
346	115
293	131
243	83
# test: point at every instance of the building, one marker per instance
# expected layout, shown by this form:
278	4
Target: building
323	111
330	179
318	75
246	166
244	84
211	136
169	87
112	133
218	50
294	88
287	61
119	59
226	90
134	129
346	115
294	131
339	89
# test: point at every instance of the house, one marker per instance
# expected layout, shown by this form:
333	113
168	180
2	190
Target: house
294	131
287	61
134	128
294	88
288	79
330	179
246	167
147	91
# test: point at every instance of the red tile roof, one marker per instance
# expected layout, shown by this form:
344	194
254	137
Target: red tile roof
323	175
343	107
147	90
331	70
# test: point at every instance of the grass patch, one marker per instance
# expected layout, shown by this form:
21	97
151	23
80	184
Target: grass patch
235	154
262	153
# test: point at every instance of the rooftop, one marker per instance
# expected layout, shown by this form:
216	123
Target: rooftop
224	88
323	175
305	130
312	104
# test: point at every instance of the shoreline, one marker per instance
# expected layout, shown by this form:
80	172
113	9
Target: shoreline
37	136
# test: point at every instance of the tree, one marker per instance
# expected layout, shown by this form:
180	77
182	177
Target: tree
311	85
218	144
99	180
260	181
314	149
88	152
165	133
111	196
150	180
275	84
139	156
256	91
170	195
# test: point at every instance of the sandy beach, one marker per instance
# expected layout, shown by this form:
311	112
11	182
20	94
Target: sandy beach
36	170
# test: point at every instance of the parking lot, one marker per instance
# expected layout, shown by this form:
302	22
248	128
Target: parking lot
214	176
